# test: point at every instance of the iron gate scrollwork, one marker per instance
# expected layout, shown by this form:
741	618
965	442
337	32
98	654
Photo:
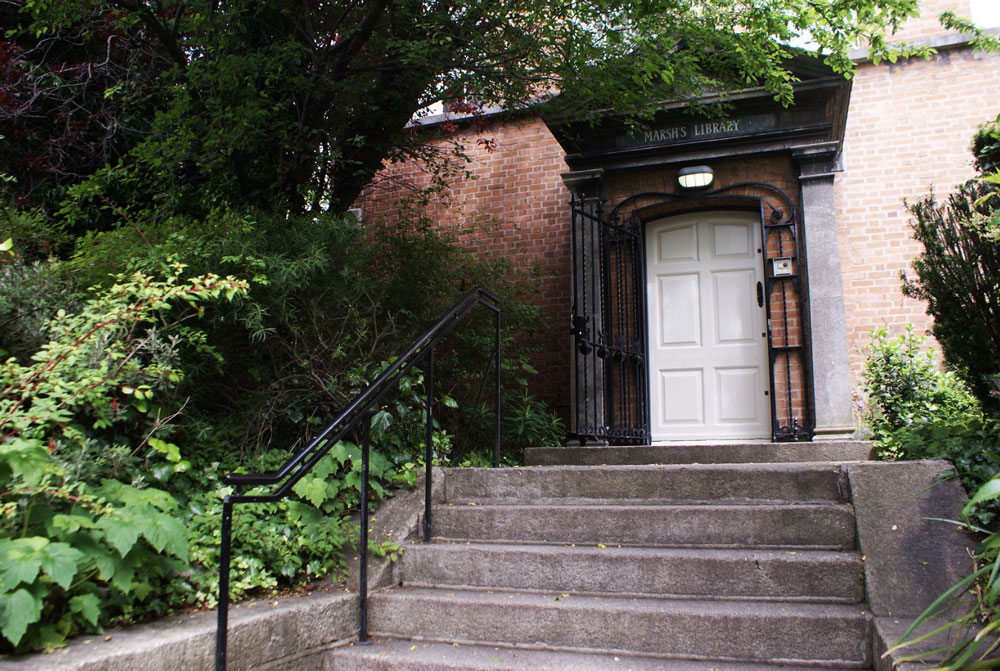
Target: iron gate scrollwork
608	324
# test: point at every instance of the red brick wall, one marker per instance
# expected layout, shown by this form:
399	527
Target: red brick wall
908	132
515	206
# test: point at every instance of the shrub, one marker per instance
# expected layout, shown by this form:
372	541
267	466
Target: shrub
958	273
328	300
79	547
986	146
905	388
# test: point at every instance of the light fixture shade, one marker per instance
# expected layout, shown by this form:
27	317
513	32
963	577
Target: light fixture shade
695	177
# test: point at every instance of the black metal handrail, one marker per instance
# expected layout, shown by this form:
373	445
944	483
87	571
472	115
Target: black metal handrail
359	408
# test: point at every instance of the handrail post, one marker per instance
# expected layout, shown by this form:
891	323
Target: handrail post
428	443
221	633
496	400
363	549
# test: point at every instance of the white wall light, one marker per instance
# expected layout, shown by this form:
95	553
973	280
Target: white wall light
695	177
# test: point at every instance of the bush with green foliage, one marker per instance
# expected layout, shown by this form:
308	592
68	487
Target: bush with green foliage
85	536
103	521
986	146
152	397
958	273
328	301
905	387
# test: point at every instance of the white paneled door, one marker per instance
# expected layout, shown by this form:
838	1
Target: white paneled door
708	373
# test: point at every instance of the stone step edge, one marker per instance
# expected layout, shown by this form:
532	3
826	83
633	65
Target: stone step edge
738	663
633	595
677	546
398	651
686	453
611	600
664	502
631	504
788	617
586	551
835	561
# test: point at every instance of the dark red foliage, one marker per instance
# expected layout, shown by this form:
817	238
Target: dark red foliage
61	100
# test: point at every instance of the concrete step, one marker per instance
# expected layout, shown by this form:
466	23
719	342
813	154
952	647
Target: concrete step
407	655
817	576
733	631
824	526
734	483
835	451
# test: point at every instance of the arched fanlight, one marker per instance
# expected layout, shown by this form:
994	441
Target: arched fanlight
695	177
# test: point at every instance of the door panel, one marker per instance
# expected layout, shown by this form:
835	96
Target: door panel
682	391
708	350
737	389
731	240
680	295
678	243
736	320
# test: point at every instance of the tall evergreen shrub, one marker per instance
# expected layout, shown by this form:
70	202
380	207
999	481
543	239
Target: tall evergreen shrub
958	274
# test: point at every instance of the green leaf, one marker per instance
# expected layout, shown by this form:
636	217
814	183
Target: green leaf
311	489
17	611
169	450
989	490
381	421
142	590
28	459
132	496
59	562
115	570
20	560
87	605
120	533
449	402
72	523
164	532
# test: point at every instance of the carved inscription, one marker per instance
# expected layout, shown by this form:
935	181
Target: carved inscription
701	130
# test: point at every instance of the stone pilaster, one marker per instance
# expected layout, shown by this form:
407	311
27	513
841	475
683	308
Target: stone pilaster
827	321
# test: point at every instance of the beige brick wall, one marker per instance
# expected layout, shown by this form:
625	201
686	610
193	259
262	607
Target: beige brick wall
927	24
908	132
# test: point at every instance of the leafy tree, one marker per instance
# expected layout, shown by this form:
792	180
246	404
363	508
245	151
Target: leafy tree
295	106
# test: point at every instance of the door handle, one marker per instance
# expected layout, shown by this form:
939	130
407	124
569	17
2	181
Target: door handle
760	295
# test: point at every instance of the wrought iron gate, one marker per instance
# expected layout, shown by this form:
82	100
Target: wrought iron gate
609	327
787	331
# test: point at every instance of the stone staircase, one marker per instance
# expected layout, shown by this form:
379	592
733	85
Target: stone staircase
721	564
